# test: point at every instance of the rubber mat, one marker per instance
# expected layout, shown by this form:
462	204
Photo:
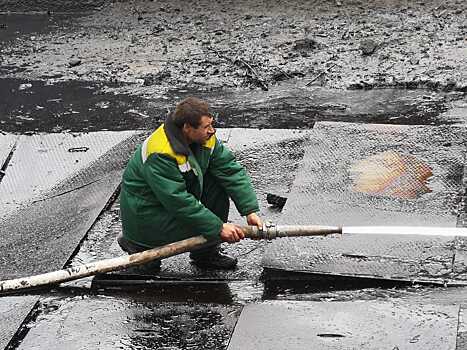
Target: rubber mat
7	141
48	229
52	158
13	311
369	324
360	175
7	146
41	235
241	139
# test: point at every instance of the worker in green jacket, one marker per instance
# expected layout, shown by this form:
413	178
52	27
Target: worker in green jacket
177	185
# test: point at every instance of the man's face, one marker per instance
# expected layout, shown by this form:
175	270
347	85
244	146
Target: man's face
202	133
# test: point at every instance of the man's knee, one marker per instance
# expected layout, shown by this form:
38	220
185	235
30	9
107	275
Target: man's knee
133	248
215	198
128	246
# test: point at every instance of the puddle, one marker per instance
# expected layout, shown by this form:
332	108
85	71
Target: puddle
290	106
40	106
78	106
171	289
164	289
130	322
141	319
291	285
14	26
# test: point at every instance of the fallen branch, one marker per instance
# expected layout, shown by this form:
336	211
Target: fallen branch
256	76
320	74
236	61
285	73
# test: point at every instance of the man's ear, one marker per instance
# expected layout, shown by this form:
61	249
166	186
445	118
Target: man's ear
186	127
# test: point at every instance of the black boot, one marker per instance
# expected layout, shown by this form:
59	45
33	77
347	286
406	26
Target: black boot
151	267
213	259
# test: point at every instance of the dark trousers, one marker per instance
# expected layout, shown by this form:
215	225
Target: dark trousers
215	199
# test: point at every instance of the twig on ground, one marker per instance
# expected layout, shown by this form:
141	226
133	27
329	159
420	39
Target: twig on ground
256	76
236	61
285	73
320	74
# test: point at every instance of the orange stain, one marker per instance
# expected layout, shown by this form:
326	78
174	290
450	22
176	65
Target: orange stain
391	174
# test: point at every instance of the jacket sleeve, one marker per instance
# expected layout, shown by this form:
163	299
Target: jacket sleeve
233	177
166	181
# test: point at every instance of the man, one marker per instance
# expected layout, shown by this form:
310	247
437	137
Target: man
177	185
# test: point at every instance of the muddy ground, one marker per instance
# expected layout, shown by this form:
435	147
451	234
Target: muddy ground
155	46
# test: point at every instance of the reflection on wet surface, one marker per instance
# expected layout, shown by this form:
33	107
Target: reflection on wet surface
391	174
290	105
142	319
166	289
18	25
31	106
53	105
370	324
292	285
131	321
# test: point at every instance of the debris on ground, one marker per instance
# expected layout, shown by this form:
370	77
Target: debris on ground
74	63
276	201
368	47
419	45
24	86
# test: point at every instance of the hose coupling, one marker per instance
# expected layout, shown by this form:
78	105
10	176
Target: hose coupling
269	230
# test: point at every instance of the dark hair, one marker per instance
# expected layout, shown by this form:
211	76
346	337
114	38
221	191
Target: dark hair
190	111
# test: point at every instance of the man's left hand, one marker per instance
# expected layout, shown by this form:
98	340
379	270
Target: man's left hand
254	220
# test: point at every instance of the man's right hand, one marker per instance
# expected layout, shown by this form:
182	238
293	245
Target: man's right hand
231	233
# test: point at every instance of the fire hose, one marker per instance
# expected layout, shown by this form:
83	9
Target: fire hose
268	231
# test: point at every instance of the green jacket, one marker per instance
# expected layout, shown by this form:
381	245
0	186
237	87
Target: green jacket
162	186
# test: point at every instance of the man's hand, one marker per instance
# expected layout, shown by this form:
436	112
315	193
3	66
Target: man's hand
231	233
254	220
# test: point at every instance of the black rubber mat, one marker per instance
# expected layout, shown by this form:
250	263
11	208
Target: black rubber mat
363	324
377	175
41	234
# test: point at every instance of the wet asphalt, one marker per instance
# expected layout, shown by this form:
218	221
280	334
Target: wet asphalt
183	307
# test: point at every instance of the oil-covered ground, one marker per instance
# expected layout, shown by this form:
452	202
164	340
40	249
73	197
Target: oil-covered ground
311	96
160	45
